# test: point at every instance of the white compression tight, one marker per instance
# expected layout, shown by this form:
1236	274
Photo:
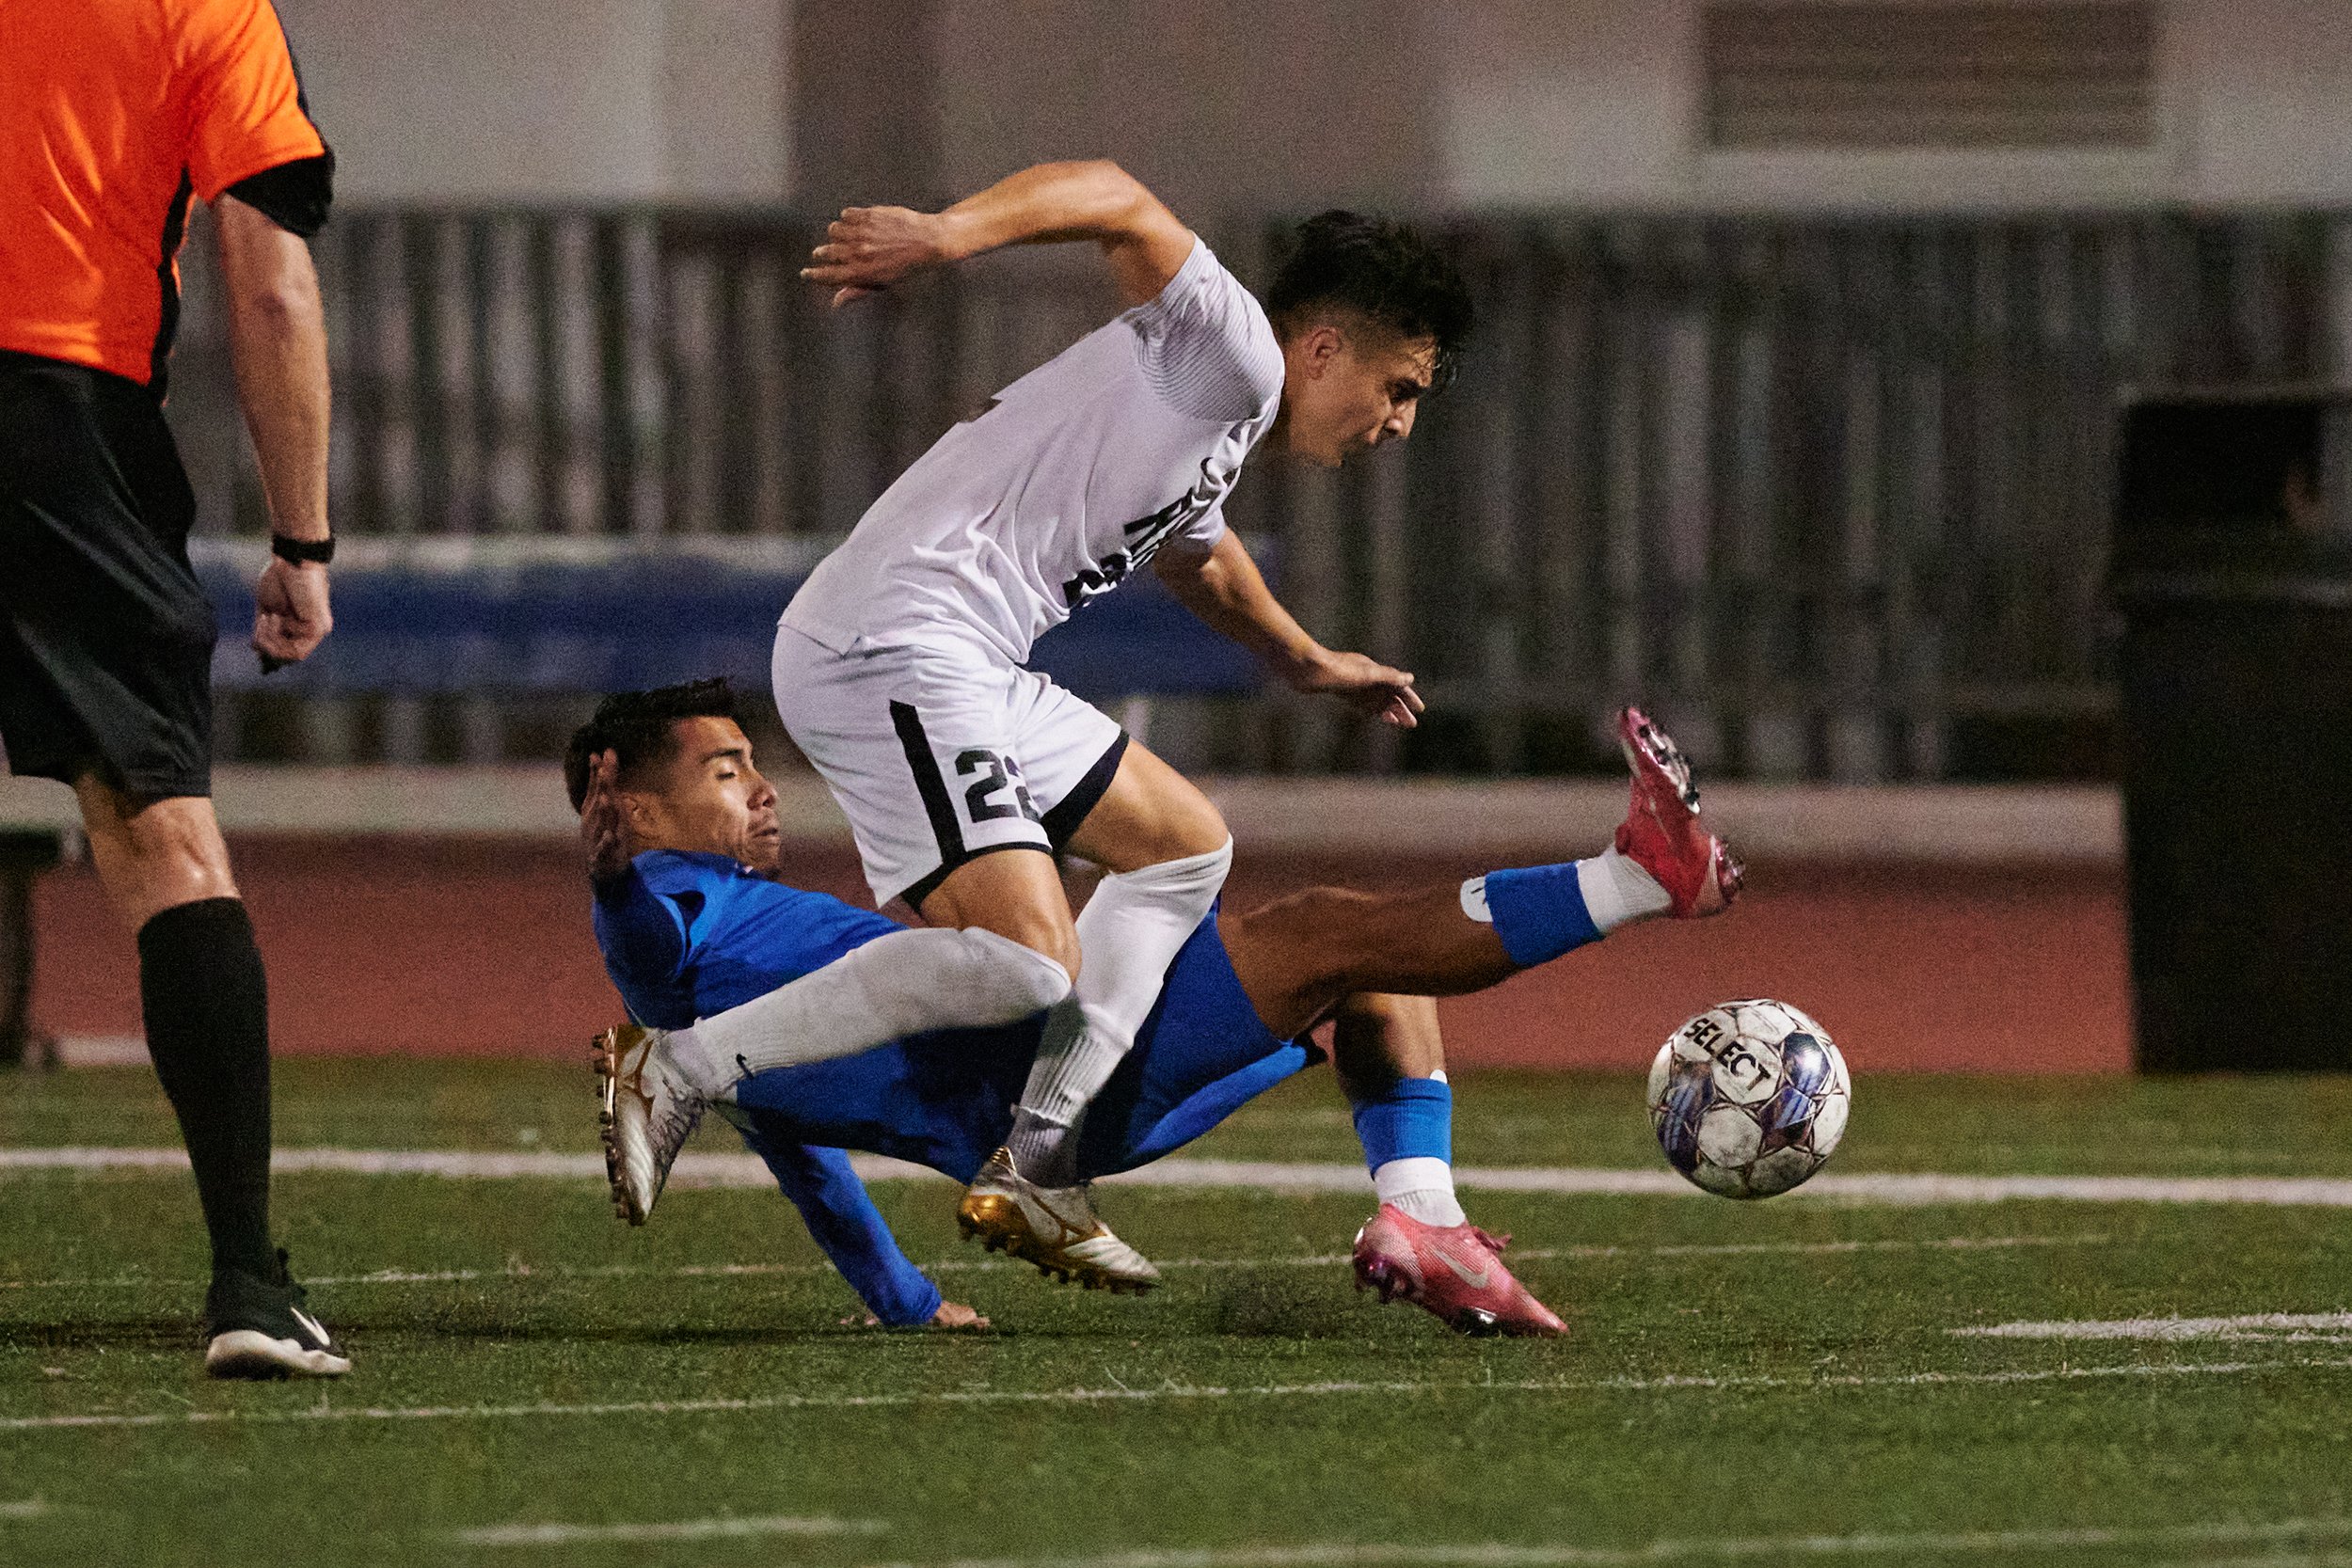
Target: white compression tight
1128	934
900	984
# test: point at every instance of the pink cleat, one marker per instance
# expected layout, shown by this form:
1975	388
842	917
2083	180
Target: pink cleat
1663	834
1451	1270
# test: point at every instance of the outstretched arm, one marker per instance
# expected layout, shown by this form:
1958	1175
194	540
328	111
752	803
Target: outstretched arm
1225	589
842	1218
869	248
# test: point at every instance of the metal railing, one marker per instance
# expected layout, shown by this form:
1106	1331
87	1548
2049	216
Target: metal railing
1830	494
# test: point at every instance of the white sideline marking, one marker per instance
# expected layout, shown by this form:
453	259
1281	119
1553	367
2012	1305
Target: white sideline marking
1124	1395
685	1530
84	1050
1495	1555
2250	1326
745	1170
990	1265
31	1507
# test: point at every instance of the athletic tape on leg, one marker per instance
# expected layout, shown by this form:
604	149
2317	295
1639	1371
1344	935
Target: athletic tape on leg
1539	912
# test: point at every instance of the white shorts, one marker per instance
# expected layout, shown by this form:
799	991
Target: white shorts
940	755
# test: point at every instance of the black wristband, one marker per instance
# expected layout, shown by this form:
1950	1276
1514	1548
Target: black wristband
302	552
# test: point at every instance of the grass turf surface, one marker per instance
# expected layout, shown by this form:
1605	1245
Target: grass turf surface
1708	1401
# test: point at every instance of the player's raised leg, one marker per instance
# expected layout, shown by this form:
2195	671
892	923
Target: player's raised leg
655	1083
1421	1246
1301	955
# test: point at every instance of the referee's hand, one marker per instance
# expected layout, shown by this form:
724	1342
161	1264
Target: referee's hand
289	613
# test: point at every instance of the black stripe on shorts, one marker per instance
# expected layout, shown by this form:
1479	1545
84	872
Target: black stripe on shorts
929	784
945	827
1069	812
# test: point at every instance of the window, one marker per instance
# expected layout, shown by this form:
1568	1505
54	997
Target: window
1875	74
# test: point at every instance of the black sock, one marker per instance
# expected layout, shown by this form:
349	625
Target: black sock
206	1003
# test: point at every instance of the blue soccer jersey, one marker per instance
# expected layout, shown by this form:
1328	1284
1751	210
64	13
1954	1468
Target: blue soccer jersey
688	935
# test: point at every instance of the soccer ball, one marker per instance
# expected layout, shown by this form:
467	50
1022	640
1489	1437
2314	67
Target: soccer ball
1749	1099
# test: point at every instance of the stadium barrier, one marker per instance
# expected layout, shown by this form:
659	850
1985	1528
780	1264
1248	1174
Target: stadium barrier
1944	825
442	911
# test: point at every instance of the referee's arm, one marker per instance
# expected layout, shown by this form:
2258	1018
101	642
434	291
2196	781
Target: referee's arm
277	337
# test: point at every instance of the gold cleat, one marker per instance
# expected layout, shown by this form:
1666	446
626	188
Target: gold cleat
645	1115
1053	1228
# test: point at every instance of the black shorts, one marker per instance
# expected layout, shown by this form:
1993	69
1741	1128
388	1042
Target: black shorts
105	635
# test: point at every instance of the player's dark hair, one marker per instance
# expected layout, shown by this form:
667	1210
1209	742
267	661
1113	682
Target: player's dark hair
641	726
1379	269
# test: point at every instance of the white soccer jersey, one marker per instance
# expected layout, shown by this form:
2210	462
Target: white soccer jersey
1074	477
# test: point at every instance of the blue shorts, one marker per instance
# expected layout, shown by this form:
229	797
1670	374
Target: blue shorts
945	1099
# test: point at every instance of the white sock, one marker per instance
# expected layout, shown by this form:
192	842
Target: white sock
1617	892
897	985
1128	934
1421	1188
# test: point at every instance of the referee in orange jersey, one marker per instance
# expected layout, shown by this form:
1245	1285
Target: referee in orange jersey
114	113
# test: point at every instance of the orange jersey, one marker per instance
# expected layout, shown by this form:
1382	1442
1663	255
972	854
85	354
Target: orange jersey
112	112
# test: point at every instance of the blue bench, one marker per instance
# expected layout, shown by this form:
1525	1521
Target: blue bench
642	620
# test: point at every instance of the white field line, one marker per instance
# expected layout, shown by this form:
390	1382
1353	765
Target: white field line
745	1170
1495	1555
990	1265
684	1530
31	1507
2250	1326
1120	1394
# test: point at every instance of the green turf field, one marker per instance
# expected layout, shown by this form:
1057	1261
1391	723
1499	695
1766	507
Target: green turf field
1774	1382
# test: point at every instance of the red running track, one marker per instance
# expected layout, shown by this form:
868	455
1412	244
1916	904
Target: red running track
466	948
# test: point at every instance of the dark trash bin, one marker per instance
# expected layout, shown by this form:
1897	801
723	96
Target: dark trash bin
2235	579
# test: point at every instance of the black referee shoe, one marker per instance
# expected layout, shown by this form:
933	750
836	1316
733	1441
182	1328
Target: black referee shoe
256	1327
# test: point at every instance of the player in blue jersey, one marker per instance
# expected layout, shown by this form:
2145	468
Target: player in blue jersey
723	967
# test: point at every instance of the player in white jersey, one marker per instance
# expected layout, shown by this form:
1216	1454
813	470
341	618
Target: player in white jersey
898	665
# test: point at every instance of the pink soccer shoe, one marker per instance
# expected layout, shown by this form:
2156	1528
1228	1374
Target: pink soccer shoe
1663	834
1451	1270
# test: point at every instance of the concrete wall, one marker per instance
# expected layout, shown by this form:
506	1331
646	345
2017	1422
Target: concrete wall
1223	104
549	100
726	118
2267	98
1220	105
866	104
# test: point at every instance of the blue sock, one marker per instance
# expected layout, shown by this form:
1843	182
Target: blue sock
1539	912
1413	1120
